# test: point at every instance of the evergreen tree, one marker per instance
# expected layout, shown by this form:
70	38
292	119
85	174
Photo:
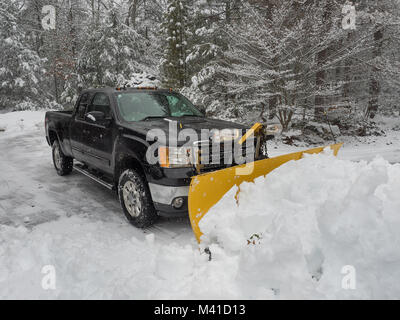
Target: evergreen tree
207	47
20	67
113	53
298	59
174	28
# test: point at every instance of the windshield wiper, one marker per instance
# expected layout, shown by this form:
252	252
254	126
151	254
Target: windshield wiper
190	115
166	116
154	117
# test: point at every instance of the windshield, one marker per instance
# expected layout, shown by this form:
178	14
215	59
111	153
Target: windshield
138	106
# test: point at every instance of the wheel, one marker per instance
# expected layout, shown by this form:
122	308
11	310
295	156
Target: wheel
134	196
62	163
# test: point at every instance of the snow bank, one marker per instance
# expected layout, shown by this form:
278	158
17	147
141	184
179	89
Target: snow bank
17	123
296	230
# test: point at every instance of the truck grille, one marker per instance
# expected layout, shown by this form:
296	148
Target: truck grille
219	156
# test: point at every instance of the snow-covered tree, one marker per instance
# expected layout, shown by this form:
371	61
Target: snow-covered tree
21	69
174	29
206	47
239	58
112	53
60	46
295	58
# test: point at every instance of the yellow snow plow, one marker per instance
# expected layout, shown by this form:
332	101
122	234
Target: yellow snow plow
209	188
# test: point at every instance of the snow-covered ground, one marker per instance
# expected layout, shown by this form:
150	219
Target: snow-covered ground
313	217
360	148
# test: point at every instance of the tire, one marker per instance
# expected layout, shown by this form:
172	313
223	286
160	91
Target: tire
62	163
134	196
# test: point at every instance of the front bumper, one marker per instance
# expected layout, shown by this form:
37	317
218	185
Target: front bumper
163	197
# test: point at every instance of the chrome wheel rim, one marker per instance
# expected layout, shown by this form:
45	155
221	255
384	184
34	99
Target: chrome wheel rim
57	158
132	199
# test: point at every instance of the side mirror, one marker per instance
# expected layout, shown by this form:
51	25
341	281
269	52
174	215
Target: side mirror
95	116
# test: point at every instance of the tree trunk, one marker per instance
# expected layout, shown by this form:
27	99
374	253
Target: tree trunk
374	86
320	81
321	59
131	19
273	101
228	12
92	4
39	40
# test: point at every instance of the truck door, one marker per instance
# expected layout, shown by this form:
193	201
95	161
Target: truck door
77	129
99	133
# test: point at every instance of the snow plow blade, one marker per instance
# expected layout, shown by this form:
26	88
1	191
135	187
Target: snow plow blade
209	188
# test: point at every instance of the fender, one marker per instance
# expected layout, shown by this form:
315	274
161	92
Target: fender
54	131
129	147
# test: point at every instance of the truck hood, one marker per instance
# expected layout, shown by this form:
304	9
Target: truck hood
194	123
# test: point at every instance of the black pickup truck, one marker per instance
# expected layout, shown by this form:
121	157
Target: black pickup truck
109	135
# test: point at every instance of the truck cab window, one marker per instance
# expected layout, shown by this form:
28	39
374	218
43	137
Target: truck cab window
101	103
82	106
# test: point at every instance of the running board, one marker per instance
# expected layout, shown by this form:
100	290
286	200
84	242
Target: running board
81	169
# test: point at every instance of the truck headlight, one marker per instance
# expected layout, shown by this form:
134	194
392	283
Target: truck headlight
176	157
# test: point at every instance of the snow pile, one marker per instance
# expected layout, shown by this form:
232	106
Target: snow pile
297	230
16	123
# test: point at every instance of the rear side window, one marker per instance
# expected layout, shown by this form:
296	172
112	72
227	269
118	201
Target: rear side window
83	102
100	102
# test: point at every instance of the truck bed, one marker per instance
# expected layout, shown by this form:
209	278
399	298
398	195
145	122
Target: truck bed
59	113
58	122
